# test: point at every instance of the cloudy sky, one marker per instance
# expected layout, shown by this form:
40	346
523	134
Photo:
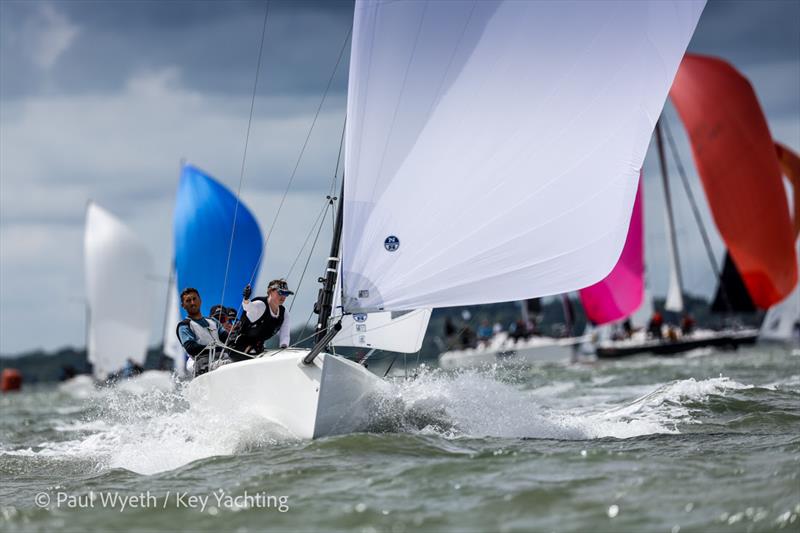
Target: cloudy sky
102	100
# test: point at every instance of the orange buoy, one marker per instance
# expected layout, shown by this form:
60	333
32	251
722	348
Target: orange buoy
10	380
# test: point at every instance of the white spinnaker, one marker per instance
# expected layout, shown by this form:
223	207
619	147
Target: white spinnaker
120	296
392	331
172	345
499	142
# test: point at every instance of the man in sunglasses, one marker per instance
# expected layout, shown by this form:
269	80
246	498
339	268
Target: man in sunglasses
263	317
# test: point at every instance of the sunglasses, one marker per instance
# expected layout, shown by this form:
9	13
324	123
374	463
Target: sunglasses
284	292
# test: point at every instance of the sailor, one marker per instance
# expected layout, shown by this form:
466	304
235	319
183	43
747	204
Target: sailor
654	327
263	317
199	335
687	324
224	315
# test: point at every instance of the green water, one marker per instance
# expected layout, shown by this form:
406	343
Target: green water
707	442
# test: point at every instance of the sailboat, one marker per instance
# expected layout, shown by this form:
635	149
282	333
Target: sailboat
206	216
119	295
529	349
732	145
740	173
492	154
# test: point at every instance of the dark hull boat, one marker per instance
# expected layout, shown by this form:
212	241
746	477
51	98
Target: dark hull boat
725	340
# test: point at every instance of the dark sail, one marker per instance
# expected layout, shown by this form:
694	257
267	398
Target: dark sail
732	287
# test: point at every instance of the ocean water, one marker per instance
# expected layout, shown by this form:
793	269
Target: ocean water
705	442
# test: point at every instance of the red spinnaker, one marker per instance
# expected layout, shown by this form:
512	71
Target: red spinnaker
735	157
620	294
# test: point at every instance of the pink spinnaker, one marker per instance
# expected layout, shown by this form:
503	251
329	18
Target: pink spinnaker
620	294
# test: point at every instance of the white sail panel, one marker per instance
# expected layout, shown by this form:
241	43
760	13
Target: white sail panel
493	148
392	331
172	345
782	321
119	294
401	331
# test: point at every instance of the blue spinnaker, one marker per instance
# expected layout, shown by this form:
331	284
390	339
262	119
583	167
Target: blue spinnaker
204	217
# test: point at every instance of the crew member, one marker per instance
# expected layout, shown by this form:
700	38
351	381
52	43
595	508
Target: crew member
263	317
199	335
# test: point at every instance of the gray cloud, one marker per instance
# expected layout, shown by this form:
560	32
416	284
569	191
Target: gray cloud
214	45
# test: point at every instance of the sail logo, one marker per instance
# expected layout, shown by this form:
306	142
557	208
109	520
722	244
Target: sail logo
360	317
391	243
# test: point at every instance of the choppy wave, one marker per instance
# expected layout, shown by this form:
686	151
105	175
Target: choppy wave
476	404
159	431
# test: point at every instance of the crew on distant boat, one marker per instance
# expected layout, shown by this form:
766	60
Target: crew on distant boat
131	369
520	330
198	334
257	325
654	327
485	332
687	324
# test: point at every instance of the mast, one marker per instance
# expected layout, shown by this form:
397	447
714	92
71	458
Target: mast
675	292
324	305
170	288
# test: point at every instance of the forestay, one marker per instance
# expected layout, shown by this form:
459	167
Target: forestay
119	295
493	148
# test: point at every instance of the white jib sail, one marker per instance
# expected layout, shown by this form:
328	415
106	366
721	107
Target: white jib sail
120	296
172	346
493	148
394	331
782	319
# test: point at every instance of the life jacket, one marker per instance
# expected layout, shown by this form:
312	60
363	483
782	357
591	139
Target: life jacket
253	335
205	336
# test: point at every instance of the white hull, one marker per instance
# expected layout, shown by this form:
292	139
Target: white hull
332	396
531	351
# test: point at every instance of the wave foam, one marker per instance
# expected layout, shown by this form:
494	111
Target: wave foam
476	404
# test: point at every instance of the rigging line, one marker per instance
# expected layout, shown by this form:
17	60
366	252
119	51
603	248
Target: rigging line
327	202
310	254
308	137
695	209
303	332
244	155
339	157
390	365
308	236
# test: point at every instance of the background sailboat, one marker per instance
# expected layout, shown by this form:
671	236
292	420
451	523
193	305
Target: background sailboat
740	173
209	221
119	295
218	249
